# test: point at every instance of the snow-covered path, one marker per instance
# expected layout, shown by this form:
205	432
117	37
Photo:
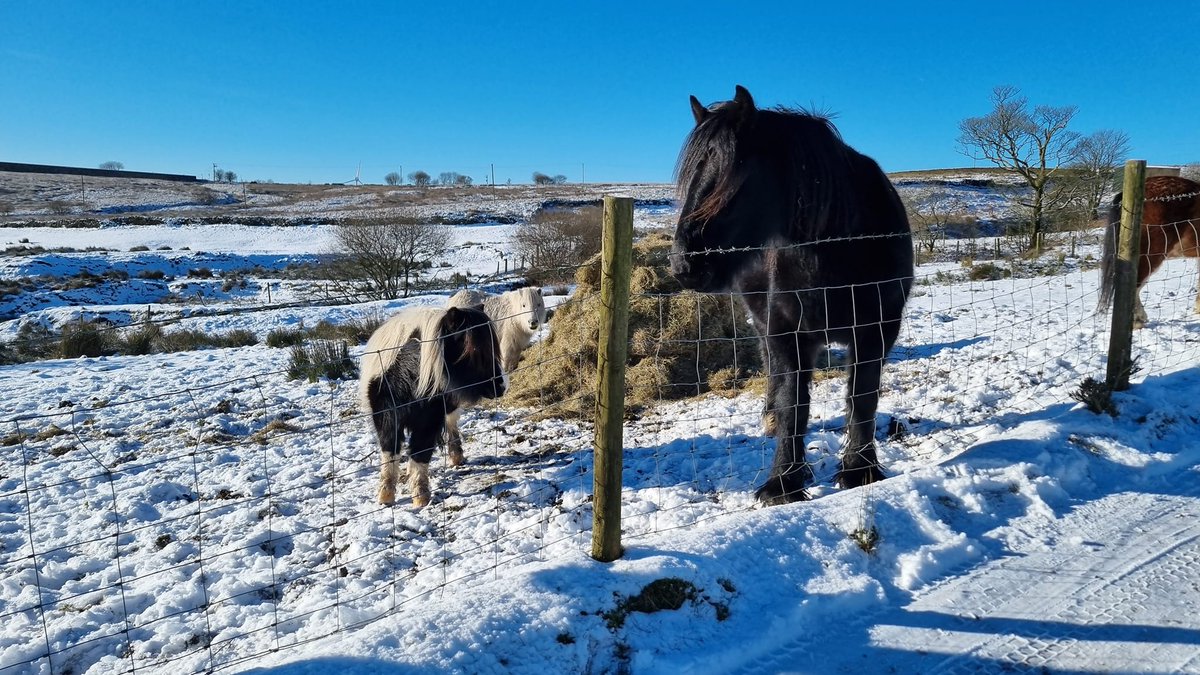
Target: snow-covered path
1118	596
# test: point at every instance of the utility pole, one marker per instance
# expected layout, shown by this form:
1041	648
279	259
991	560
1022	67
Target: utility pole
214	172
582	172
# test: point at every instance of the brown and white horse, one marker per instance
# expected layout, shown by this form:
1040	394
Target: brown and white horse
1170	229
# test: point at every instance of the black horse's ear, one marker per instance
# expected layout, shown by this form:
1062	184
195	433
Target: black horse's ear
743	104
742	98
699	111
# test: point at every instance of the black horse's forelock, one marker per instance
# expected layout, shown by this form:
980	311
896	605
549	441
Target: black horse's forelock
803	148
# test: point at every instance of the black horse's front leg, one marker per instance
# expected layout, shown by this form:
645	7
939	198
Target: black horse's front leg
860	465
791	360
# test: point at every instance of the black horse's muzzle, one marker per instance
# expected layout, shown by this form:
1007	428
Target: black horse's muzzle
689	269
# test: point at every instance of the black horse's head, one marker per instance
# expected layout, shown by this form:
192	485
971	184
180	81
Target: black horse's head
733	201
472	355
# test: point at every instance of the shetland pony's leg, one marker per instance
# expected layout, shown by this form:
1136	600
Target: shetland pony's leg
386	418
389	463
792	359
390	435
454	450
425	434
418	483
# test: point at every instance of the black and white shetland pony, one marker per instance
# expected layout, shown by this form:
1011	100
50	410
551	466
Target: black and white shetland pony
813	237
420	366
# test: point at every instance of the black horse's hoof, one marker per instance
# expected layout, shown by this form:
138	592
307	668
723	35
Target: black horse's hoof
777	491
859	476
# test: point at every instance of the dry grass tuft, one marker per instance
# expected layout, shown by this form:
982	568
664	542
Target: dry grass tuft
681	343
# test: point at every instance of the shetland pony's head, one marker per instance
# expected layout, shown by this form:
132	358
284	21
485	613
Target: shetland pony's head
527	305
471	354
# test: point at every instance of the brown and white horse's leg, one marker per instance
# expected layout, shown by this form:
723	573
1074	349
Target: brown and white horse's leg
1196	305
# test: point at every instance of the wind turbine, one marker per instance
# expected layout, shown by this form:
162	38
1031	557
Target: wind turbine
357	174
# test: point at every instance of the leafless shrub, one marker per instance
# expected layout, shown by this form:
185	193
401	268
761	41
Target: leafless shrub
555	241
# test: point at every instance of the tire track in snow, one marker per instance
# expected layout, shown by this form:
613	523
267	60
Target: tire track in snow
1116	598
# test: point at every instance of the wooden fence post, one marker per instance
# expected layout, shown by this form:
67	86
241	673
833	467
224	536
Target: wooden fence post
1120	339
616	262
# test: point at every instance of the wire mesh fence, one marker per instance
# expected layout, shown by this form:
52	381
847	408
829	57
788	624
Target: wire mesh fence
198	510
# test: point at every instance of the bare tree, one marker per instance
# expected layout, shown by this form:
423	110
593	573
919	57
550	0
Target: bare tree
555	241
559	179
463	181
935	215
1099	161
382	258
419	178
540	178
392	178
1034	144
112	166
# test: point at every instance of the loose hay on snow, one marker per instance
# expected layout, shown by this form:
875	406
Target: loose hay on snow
681	343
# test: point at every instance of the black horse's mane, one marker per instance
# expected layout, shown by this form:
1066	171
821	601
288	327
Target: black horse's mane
815	167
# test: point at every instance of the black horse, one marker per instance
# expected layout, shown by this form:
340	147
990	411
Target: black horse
813	237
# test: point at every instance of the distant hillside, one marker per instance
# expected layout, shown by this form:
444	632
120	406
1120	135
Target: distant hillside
32	198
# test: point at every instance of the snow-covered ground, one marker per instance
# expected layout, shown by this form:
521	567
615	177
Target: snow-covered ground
199	511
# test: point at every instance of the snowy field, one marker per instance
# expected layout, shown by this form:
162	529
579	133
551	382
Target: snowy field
199	511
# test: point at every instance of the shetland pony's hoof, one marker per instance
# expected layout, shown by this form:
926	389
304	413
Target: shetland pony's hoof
387	496
860	476
455	458
781	490
420	501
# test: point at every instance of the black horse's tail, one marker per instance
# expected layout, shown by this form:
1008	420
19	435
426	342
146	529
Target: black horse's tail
1108	266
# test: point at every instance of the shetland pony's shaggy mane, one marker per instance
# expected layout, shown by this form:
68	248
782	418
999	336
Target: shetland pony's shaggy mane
422	325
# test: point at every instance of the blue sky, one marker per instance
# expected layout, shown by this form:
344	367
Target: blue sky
308	91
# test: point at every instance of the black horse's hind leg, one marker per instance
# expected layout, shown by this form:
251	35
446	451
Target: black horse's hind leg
791	362
860	465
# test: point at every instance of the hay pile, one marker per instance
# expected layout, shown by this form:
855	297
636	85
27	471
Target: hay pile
681	343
